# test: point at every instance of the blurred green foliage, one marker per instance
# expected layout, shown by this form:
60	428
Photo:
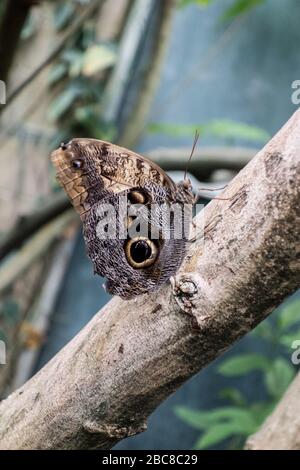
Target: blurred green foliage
219	128
183	3
78	79
237	8
9	311
29	28
240	7
63	14
241	418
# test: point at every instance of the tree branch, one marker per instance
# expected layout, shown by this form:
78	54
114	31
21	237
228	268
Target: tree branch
281	431
205	159
104	384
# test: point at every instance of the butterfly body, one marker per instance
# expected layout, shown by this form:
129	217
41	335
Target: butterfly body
116	191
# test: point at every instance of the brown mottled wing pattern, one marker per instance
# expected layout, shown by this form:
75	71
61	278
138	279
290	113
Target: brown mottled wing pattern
94	172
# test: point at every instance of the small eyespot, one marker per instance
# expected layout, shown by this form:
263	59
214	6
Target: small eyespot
77	164
63	146
136	196
140	252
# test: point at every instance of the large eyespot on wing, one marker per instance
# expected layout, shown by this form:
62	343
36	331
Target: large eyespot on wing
140	252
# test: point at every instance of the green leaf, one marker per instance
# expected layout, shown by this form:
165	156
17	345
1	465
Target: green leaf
97	58
29	28
239	7
279	377
235	130
174	130
220	128
71	55
10	311
288	340
260	411
74	59
184	3
63	14
63	102
217	434
204	419
57	73
243	364
196	419
289	315
234	395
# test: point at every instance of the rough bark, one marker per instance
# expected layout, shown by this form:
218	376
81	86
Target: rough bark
104	384
281	431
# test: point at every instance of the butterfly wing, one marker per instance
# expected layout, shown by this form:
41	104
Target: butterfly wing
103	181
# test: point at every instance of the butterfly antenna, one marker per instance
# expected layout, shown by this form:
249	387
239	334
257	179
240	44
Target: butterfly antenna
196	138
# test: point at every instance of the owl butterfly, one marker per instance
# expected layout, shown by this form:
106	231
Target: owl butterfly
96	175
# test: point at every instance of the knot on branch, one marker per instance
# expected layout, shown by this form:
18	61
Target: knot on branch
113	431
186	290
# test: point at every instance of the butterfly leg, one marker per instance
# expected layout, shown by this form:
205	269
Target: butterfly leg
197	195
